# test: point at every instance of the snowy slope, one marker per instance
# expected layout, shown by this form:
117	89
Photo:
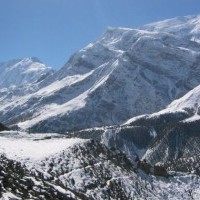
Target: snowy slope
169	137
83	169
30	149
126	72
22	72
21	77
188	26
188	105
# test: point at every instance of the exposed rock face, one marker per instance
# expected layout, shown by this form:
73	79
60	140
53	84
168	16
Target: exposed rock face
3	128
149	169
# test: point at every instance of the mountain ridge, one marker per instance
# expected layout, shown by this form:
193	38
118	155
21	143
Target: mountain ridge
127	106
19	72
101	84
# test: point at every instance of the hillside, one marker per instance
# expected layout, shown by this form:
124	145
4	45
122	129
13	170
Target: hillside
80	169
169	137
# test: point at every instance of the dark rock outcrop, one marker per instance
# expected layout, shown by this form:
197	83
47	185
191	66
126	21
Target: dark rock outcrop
3	128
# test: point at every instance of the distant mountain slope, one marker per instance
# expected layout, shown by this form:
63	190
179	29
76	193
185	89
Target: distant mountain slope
170	137
19	78
22	71
188	26
124	73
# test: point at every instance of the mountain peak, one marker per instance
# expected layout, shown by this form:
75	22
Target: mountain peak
187	26
22	71
124	73
31	59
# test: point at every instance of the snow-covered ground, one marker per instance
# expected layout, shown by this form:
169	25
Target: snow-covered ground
30	148
76	166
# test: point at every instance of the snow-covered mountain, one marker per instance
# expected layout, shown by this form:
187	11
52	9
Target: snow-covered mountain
56	166
124	73
20	72
188	26
169	137
21	77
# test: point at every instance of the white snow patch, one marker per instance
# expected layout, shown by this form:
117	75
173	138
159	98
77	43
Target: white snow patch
192	119
8	196
31	149
153	133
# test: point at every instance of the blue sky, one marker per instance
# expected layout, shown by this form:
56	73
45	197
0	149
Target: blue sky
53	30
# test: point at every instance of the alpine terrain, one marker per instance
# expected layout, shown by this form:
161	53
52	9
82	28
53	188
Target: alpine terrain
20	72
124	73
120	120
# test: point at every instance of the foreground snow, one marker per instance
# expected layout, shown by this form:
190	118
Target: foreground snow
33	147
80	169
